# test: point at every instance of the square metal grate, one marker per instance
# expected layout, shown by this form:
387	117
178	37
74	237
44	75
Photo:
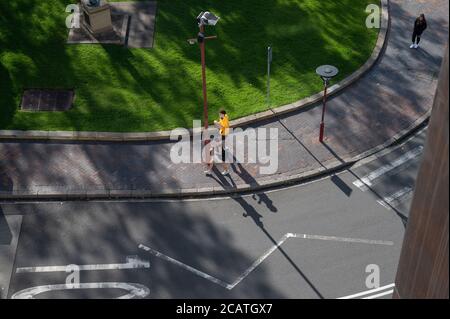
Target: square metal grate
47	100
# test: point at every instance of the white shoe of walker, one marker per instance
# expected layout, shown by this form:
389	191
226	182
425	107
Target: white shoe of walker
416	46
412	46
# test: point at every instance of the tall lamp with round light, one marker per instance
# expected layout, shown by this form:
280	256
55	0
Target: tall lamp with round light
326	73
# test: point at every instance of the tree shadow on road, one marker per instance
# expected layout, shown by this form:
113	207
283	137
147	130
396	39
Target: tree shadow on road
402	217
5	231
250	211
98	233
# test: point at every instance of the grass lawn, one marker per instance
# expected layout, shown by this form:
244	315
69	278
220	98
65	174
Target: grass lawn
122	90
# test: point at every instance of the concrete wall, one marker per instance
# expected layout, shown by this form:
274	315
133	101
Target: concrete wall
423	266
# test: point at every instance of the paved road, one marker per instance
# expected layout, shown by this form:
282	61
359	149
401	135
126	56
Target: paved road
223	247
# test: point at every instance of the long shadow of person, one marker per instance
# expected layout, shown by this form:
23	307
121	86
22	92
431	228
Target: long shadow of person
248	179
249	211
262	197
221	180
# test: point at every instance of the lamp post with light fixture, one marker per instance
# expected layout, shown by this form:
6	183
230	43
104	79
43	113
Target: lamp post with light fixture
326	72
203	19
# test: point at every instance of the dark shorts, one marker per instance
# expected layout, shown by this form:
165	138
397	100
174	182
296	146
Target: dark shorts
223	148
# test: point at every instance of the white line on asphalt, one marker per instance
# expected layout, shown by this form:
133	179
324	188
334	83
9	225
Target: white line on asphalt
182	265
350	240
134	290
260	259
380	294
387	150
387	201
368	292
132	263
367	180
8	253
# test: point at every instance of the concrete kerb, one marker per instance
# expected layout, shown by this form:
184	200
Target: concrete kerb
247	120
46	192
290	179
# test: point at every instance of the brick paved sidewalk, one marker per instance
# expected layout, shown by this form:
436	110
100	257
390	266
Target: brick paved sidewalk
388	100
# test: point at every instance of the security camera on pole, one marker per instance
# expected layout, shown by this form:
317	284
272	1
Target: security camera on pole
204	18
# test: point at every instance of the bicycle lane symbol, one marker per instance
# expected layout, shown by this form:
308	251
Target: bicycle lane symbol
134	290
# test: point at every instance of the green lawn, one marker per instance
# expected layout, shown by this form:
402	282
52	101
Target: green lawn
120	89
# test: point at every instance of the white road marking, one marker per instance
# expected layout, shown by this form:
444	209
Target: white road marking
367	180
182	265
388	150
134	290
260	259
369	292
349	240
380	294
387	201
8	253
131	263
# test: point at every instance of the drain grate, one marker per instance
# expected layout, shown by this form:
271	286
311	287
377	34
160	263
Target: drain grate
47	100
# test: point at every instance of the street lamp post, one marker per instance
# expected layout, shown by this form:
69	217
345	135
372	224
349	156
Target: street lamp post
326	72
204	18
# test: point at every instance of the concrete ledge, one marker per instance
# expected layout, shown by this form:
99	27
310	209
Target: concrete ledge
285	179
251	119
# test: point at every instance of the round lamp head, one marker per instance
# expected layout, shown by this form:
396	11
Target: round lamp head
327	72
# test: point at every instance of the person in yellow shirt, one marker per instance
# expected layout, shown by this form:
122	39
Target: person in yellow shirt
224	128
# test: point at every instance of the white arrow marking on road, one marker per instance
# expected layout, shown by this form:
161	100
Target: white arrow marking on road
260	259
369	292
131	263
367	180
135	290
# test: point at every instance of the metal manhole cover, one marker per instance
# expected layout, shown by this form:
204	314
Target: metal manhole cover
47	100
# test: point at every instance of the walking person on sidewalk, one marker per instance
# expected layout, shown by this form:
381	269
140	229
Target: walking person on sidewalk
211	149
419	26
224	128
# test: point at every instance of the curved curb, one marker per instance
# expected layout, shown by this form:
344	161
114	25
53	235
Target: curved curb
60	193
251	119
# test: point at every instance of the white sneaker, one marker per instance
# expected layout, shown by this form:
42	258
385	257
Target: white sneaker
412	46
225	173
416	46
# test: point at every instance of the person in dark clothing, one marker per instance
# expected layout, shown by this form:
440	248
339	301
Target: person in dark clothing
419	26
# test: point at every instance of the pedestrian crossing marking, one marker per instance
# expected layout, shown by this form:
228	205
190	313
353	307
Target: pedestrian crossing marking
367	180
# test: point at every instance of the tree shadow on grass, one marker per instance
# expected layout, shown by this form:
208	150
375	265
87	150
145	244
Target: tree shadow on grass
8	105
133	77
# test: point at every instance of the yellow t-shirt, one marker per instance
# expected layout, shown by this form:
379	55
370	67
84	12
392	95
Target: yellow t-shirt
224	125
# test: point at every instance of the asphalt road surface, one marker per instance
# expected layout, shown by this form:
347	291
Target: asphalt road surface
313	240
